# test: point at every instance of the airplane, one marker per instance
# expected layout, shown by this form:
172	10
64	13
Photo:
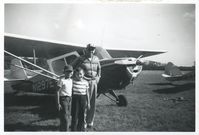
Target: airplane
173	73
119	68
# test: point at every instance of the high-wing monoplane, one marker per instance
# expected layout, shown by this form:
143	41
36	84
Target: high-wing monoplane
119	67
173	73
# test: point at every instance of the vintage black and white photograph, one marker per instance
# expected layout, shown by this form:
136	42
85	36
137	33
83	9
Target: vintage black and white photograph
99	67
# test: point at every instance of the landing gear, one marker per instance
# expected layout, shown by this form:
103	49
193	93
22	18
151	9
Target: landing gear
120	100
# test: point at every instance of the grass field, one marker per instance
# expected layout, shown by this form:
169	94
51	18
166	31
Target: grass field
153	105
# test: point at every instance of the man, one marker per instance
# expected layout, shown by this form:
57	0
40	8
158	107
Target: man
90	63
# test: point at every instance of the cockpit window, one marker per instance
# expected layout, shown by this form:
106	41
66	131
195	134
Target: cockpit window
70	59
57	64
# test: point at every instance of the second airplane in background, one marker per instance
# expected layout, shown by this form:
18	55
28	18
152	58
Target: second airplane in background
173	73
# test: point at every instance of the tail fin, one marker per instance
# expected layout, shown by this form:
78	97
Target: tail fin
172	70
16	72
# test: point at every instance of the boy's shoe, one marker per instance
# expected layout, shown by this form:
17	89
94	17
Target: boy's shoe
90	125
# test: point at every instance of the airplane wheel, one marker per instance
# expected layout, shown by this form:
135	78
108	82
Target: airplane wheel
122	101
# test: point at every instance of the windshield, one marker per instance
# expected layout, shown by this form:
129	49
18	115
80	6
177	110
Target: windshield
101	53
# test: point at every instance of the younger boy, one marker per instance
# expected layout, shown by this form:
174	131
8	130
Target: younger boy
64	98
80	101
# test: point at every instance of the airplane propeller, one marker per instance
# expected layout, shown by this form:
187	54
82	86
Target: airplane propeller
130	61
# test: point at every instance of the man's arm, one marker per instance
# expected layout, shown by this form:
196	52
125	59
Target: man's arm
98	71
77	62
88	98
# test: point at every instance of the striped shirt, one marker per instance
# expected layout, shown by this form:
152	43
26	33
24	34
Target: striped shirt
80	87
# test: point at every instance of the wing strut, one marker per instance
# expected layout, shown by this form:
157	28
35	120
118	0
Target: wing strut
34	56
35	72
31	64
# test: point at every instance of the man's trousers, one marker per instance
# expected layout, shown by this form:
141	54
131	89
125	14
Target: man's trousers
92	94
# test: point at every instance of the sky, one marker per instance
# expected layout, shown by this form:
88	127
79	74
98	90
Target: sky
167	27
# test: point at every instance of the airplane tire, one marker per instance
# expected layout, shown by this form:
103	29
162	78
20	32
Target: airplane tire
122	101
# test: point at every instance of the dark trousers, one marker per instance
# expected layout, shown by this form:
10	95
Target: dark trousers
79	104
64	114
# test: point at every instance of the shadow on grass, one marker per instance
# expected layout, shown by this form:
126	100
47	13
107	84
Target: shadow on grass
27	99
43	106
26	127
160	84
176	88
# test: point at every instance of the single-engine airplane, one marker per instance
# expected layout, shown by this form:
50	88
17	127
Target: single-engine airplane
119	67
173	73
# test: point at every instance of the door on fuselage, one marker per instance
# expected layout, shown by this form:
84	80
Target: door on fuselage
56	65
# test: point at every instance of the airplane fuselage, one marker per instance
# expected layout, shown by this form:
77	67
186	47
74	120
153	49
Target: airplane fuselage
117	79
113	77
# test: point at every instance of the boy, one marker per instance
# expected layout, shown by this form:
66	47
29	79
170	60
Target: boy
80	101
64	98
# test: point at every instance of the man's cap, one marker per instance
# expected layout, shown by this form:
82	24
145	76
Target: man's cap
68	68
90	47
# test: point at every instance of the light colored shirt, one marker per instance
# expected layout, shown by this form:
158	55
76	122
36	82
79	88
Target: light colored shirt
80	87
65	87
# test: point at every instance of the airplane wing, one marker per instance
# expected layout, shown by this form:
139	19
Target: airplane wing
133	53
24	46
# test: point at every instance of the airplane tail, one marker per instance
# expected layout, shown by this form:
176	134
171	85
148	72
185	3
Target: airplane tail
16	72
172	70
